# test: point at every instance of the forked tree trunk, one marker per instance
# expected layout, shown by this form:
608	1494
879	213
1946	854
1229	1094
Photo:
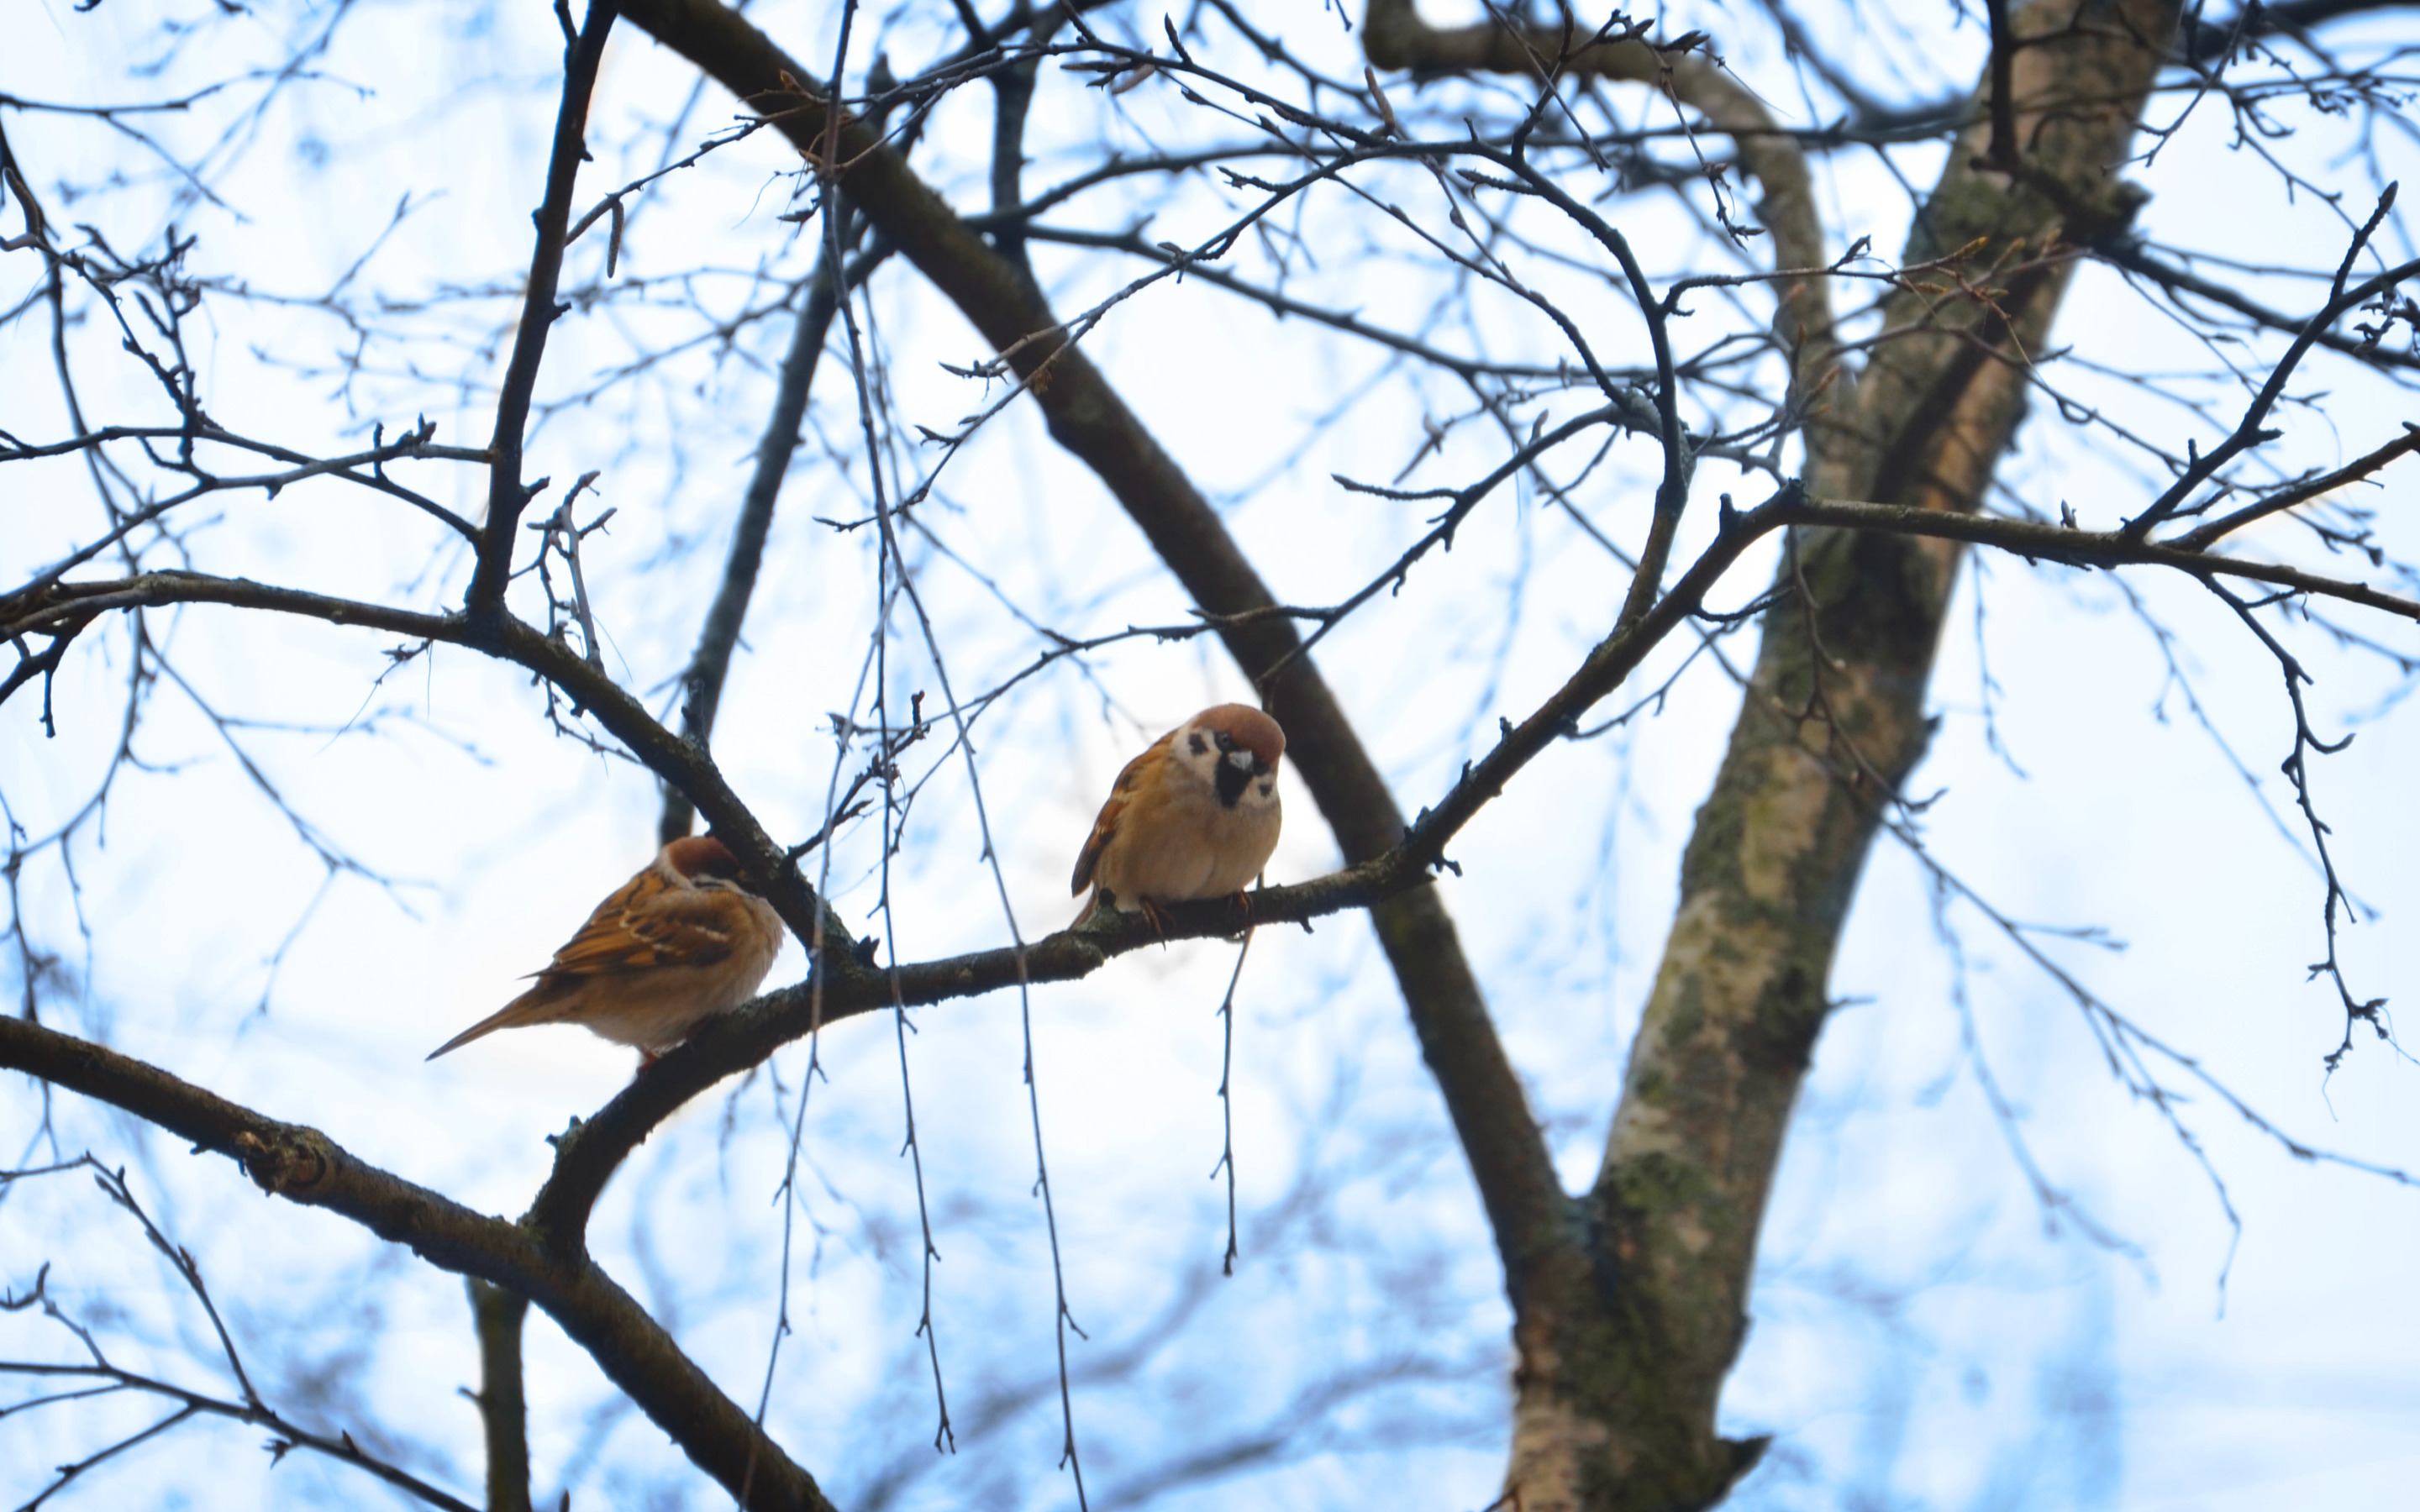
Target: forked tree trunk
1626	1338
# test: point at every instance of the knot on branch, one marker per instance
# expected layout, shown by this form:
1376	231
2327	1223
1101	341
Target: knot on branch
293	1161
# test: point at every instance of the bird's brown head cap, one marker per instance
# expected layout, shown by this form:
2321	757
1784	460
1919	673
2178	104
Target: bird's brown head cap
1247	727
702	856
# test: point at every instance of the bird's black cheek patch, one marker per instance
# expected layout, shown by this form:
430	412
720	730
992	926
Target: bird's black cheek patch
1232	780
1267	788
1196	744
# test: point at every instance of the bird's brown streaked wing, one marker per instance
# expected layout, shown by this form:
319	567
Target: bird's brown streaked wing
651	923
1121	793
603	944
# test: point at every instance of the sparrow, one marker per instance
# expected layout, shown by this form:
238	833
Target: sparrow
1194	816
675	944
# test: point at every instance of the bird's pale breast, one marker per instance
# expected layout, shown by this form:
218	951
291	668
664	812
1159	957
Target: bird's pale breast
1198	848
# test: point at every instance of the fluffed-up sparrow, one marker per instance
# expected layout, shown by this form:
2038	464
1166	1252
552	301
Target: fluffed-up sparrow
675	944
1194	816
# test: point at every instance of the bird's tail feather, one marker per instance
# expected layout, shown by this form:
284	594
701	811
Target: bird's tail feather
536	1006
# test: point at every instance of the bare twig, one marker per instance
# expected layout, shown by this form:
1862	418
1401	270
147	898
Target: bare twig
109	1378
508	495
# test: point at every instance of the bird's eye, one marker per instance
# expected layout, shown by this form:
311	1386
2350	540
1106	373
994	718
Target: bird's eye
1226	741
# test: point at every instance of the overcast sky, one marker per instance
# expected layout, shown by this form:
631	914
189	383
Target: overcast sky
2043	1304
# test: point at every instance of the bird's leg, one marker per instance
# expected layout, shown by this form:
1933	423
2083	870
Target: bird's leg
1159	919
1244	899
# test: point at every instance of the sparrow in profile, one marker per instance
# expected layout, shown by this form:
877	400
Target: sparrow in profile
675	944
1194	816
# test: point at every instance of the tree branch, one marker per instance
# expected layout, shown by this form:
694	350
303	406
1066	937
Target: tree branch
305	1166
2248	432
1625	1391
1395	35
507	493
503	1405
2099	549
1386	875
2200	40
680	763
710	664
1508	1154
251	1410
415	444
2283	499
2131	256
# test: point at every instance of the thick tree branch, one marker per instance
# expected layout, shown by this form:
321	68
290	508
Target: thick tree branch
498	1314
1420	846
1629	1298
1395	35
2104	549
1617	1394
304	1165
2000	106
1508	1154
587	1157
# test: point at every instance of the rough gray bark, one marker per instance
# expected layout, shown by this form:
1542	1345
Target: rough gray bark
1625	1345
1630	1301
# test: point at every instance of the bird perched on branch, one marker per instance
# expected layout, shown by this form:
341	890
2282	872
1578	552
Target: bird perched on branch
675	944
1194	816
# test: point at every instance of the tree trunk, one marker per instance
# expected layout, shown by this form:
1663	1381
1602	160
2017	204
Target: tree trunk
1626	1338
